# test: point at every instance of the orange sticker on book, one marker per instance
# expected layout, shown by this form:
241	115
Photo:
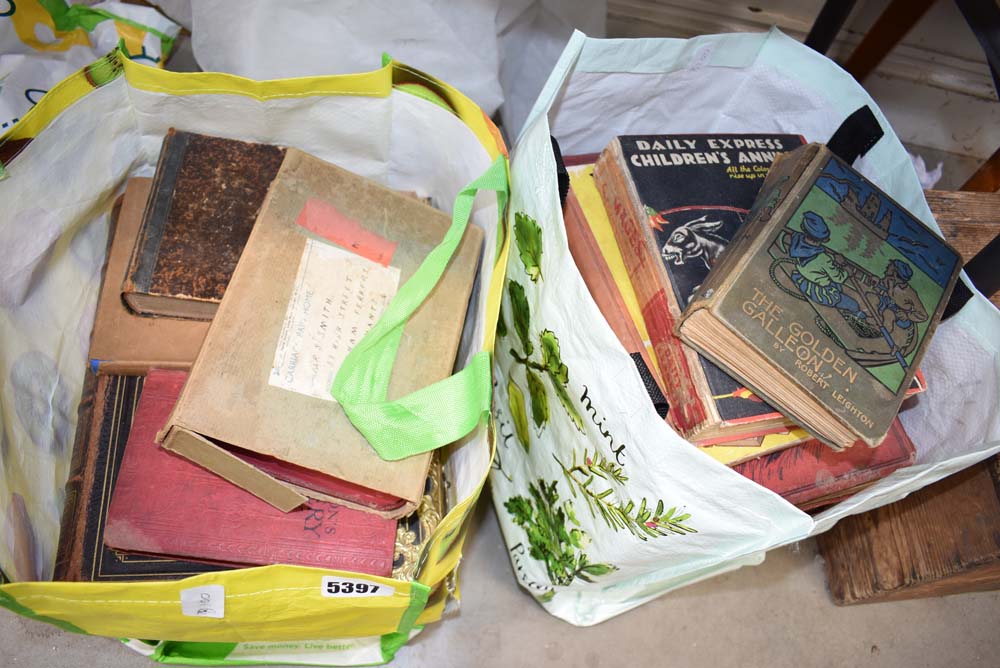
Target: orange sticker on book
327	221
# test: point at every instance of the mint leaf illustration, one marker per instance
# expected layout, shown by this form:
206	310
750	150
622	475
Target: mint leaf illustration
567	403
521	315
515	399
598	569
551	359
528	236
539	399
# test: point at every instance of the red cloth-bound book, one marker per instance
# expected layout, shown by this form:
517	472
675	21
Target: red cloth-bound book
165	505
812	475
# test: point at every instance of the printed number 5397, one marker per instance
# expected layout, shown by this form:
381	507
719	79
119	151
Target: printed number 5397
333	586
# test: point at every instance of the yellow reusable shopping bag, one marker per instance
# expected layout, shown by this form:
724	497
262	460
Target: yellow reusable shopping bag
63	165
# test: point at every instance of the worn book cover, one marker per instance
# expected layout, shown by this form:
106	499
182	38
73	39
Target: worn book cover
584	190
675	201
328	252
163	504
596	273
124	342
106	414
811	474
826	301
205	197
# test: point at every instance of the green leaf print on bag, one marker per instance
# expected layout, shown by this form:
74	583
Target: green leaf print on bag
539	400
546	522
641	521
528	236
551	365
515	399
522	316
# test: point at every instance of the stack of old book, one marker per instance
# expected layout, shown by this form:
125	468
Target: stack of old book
649	220
237	281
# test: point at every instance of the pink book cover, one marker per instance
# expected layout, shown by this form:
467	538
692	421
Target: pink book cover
165	505
812	470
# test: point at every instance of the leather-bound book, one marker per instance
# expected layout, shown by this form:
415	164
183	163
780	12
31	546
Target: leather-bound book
124	342
167	506
106	413
204	201
812	475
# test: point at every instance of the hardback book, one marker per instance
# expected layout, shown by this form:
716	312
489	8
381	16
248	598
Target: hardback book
811	475
165	505
826	301
675	202
106	412
580	170
596	274
736	452
328	252
124	342
205	197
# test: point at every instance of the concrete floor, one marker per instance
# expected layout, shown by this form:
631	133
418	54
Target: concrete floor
776	614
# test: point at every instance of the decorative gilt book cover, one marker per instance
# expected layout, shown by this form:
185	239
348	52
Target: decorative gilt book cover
827	300
675	202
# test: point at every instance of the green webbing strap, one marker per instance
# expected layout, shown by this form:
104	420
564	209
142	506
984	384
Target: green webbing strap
437	414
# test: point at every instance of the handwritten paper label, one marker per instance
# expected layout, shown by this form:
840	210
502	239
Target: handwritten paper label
338	296
204	601
353	588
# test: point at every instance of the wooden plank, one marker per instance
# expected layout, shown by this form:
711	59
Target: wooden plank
987	177
968	220
942	539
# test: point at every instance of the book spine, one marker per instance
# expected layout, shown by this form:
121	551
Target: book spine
147	247
639	253
597	276
69	545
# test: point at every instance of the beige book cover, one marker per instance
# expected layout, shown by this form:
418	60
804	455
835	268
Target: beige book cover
124	342
327	253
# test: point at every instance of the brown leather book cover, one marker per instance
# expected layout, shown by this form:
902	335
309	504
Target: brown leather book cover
165	505
328	251
124	342
206	194
106	413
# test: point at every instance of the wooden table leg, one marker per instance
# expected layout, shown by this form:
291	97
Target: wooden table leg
897	20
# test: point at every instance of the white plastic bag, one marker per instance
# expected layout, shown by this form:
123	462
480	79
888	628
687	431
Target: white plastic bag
607	507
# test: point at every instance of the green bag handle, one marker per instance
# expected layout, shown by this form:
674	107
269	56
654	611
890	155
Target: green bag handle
439	413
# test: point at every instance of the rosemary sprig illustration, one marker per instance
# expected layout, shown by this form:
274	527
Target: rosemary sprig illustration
641	521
